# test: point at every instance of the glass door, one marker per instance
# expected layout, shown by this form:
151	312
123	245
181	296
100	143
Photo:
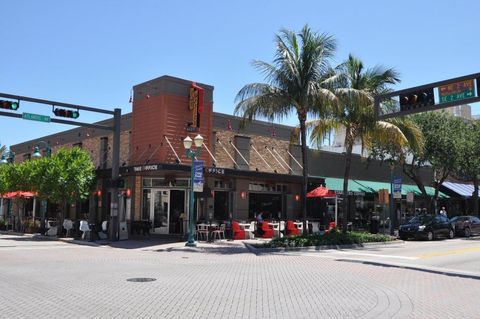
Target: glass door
178	213
160	210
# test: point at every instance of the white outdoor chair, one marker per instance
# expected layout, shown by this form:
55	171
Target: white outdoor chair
219	233
104	233
52	230
68	225
282	228
84	228
202	231
250	230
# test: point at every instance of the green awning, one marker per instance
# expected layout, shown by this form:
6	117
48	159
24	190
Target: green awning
359	186
336	184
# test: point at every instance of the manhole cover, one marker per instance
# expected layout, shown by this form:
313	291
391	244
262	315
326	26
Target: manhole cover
141	279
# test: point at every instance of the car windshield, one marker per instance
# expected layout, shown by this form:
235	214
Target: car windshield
459	218
422	219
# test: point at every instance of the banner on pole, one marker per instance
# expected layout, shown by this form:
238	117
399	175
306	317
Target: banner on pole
397	187
198	176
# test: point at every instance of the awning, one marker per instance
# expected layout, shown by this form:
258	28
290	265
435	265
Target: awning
465	190
359	186
336	184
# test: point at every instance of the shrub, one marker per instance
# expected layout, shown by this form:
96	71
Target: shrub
327	239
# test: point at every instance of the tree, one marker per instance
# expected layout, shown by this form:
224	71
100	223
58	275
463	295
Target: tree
443	137
296	82
468	167
17	177
355	88
64	178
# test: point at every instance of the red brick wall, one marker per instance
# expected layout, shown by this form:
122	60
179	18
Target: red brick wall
166	114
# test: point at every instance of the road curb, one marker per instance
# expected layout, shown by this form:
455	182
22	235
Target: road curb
433	270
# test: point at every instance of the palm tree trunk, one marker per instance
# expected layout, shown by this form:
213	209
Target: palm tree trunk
303	136
475	196
346	176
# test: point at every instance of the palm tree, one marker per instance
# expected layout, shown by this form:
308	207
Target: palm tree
295	83
355	88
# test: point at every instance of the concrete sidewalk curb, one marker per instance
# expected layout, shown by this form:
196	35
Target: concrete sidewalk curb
256	250
433	270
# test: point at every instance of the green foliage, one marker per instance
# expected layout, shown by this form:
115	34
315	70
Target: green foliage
66	176
16	177
468	167
328	239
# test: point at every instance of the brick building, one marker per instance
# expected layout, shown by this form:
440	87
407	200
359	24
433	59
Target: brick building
247	169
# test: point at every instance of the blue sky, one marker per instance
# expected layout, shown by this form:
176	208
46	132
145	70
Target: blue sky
92	52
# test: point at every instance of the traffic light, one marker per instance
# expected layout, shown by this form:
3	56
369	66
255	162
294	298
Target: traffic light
9	105
418	99
66	113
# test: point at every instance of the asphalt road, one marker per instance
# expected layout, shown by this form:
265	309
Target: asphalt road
457	255
54	279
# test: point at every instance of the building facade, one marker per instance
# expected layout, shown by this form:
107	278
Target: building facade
248	168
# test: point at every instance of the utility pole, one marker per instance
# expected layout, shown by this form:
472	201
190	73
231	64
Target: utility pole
114	211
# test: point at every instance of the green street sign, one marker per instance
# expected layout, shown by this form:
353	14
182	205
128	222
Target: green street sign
456	91
35	117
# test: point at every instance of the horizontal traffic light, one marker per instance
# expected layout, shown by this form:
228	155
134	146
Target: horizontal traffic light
9	105
66	113
417	99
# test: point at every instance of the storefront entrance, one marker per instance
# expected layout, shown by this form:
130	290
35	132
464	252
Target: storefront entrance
166	209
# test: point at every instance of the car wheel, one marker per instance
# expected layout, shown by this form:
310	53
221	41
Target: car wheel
451	234
403	237
430	235
468	232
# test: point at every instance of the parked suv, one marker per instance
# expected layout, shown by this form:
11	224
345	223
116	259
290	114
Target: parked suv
466	225
427	227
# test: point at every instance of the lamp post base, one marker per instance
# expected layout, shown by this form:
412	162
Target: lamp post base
191	244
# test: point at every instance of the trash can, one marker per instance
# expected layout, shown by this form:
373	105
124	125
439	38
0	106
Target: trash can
374	226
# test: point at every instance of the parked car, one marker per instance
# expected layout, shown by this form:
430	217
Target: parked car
466	225
427	227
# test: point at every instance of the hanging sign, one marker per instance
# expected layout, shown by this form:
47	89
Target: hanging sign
397	187
410	197
198	176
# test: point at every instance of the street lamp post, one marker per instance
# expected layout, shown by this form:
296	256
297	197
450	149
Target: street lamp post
37	154
187	143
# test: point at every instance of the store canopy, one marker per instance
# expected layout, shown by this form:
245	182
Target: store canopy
321	192
465	190
361	186
18	194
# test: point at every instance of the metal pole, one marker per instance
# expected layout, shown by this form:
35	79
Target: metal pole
391	201
191	239
114	225
336	211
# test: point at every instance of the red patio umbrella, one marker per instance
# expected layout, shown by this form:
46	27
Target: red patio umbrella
18	194
321	192
324	192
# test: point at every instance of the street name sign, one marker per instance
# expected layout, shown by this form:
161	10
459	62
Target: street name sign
36	117
456	91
